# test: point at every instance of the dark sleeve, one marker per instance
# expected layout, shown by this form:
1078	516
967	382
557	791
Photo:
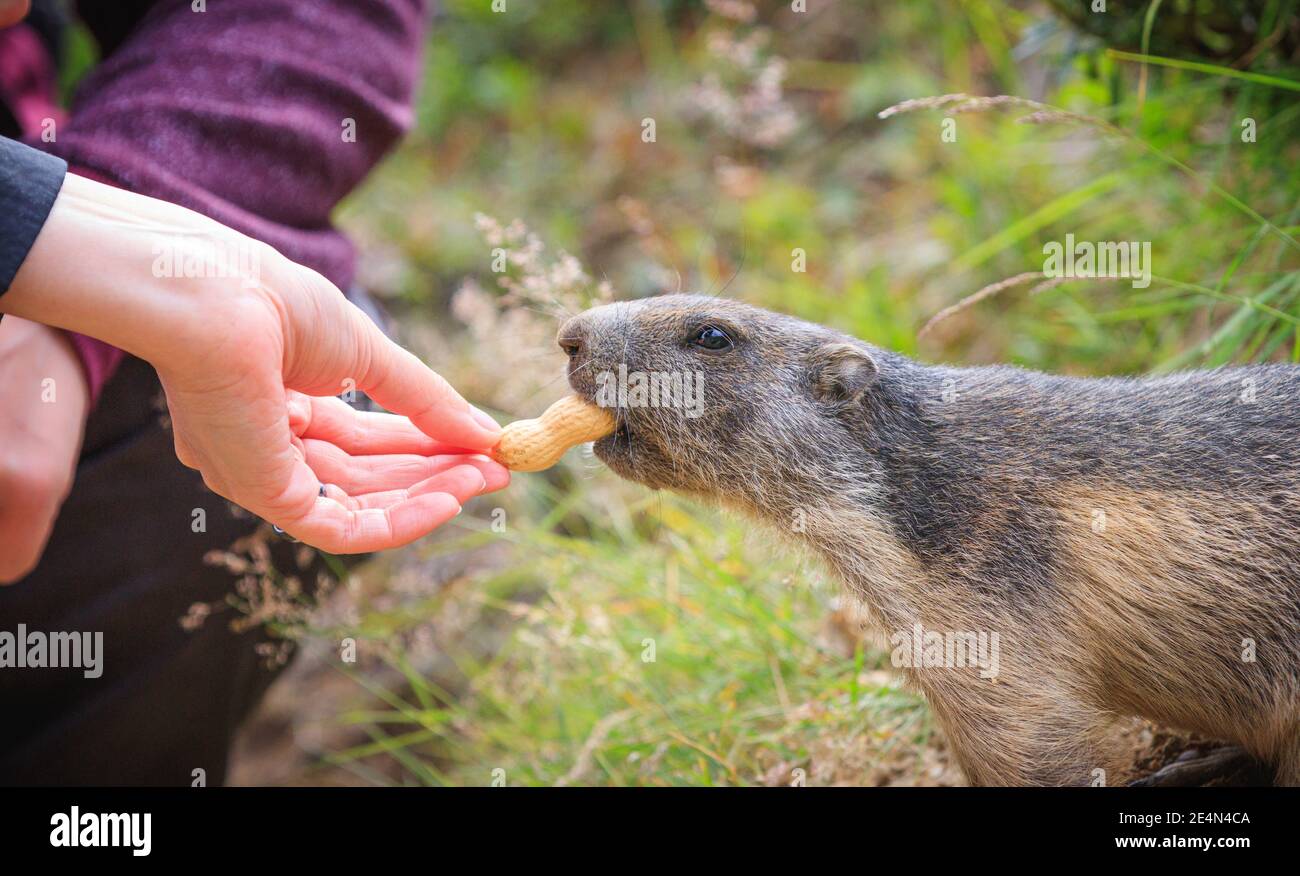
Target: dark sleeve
29	183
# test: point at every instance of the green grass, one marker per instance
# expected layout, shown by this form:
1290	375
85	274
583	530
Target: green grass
659	647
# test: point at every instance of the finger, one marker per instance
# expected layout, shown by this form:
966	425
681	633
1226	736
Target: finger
493	477
368	474
359	432
464	482
336	529
403	384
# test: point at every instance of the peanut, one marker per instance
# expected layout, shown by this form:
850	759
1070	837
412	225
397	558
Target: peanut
533	445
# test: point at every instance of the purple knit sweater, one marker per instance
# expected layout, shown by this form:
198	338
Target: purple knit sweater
242	112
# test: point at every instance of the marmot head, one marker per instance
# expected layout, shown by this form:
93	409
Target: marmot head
718	398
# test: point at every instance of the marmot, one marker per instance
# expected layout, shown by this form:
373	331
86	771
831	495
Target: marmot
1131	546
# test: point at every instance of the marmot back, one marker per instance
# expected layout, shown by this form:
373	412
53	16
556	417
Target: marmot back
1128	547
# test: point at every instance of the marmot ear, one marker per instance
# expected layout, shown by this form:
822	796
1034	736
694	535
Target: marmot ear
842	372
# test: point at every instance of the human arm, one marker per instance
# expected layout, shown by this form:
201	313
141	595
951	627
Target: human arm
233	353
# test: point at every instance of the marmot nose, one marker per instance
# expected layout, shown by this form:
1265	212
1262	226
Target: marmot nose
572	338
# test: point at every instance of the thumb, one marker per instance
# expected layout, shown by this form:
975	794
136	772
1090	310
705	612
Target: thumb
333	337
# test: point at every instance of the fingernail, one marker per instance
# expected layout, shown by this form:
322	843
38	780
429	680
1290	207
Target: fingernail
484	420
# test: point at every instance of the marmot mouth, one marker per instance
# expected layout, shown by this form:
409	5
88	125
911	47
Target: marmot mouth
617	445
621	435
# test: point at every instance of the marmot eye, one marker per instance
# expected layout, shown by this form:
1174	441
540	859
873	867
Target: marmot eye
711	338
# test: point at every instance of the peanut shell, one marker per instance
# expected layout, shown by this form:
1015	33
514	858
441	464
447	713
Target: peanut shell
534	445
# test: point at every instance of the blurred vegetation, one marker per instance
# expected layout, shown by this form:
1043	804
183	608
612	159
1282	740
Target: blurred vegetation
767	139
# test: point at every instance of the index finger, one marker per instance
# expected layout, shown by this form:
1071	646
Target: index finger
405	385
360	433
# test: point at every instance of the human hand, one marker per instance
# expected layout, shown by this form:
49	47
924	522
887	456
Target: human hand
43	404
244	413
240	349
